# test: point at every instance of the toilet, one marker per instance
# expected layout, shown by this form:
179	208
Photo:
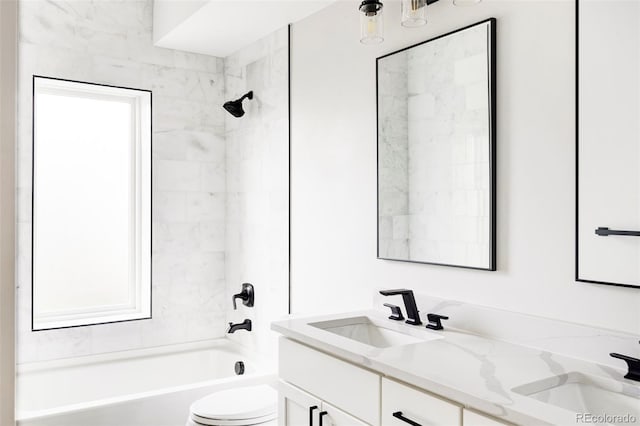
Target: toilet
244	406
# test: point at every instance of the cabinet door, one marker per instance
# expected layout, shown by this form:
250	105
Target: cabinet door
331	416
296	407
471	418
342	384
403	405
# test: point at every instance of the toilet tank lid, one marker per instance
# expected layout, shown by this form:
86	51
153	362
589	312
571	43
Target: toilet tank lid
237	403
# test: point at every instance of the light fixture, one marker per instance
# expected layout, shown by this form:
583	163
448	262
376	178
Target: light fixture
414	13
371	24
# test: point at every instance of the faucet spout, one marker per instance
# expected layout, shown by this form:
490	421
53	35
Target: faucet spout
244	325
410	306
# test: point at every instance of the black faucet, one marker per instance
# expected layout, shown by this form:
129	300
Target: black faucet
244	325
413	317
634	366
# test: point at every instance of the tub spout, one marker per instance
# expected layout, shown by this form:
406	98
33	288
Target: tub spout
244	325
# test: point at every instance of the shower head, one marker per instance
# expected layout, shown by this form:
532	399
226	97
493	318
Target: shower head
235	107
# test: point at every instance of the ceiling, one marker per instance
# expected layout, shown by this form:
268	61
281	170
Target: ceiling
222	27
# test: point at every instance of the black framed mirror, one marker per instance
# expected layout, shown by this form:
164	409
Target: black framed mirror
608	142
436	105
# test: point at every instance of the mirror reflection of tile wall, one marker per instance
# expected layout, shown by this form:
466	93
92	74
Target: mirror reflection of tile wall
434	151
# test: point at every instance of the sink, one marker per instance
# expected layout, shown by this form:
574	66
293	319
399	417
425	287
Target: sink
582	393
376	332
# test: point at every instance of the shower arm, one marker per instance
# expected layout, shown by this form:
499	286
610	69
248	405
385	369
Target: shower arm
248	95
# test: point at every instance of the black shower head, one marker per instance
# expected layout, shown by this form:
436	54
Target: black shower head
235	107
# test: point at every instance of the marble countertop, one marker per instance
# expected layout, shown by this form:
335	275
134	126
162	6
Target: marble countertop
475	371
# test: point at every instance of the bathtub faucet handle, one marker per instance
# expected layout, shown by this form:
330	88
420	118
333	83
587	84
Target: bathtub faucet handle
246	295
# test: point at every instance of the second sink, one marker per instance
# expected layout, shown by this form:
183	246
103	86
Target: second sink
583	393
375	332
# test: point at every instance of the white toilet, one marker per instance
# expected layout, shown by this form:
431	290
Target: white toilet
244	406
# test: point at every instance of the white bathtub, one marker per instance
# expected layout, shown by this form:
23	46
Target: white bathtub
153	387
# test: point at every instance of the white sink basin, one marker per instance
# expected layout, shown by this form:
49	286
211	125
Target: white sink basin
583	393
376	332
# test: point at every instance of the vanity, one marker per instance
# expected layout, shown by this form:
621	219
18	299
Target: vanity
357	393
362	368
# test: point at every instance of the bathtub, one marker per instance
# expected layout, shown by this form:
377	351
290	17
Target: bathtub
148	387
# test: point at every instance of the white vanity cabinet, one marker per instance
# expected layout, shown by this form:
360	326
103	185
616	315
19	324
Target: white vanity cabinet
351	389
316	389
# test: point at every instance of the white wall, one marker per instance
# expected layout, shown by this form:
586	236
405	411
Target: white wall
111	43
334	265
169	14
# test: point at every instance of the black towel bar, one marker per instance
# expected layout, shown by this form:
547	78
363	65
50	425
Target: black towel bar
603	232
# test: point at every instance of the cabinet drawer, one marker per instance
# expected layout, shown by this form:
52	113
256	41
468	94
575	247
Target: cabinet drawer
343	385
471	418
416	406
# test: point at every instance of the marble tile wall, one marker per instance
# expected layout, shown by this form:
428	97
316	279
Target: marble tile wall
448	175
393	158
111	42
257	152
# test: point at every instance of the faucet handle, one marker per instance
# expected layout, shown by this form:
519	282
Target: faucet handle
396	313
246	295
435	321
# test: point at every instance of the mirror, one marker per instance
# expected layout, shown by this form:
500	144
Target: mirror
608	142
91	204
436	150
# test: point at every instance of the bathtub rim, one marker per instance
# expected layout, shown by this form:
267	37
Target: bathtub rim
83	360
256	378
259	372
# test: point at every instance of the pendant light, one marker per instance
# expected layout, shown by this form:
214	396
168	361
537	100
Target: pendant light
414	13
371	24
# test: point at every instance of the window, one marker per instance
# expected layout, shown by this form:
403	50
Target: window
91	204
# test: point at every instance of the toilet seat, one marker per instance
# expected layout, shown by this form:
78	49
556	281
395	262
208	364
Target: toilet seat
242	406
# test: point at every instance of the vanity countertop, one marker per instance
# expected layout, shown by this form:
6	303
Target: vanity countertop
475	371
